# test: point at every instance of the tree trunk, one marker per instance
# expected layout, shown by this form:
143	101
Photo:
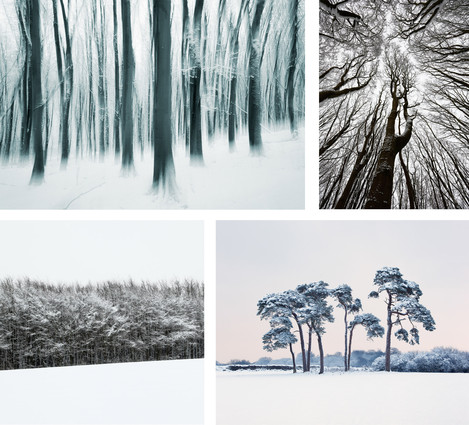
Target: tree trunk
346	341
117	102
185	73
302	342
380	195
254	98
196	153
291	70
232	113
293	358
58	55
67	92
388	337
308	356
321	354
27	83
128	75
37	176
163	170
349	349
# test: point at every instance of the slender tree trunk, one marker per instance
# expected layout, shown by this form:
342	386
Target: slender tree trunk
308	357
117	102
254	101
186	115
58	55
27	83
302	342
346	340
388	338
37	176
163	170
128	75
196	153
291	69
321	353
67	92
350	348
232	112
293	358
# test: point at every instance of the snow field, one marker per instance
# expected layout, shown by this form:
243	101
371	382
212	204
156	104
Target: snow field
125	393
236	180
355	398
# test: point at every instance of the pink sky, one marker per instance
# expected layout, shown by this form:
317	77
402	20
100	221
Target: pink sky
255	258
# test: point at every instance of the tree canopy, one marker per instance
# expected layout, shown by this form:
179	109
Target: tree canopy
393	104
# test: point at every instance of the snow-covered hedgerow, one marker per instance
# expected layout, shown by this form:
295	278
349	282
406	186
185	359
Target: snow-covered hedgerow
444	360
43	325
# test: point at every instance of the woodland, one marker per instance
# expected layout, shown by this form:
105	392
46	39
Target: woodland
394	104
44	324
85	81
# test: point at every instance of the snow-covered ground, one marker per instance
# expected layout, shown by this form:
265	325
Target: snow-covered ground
165	392
355	398
236	180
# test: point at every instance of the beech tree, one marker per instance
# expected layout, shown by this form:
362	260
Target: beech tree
373	329
343	295
402	298
407	60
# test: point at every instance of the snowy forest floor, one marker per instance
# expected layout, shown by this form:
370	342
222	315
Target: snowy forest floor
355	398
126	393
236	180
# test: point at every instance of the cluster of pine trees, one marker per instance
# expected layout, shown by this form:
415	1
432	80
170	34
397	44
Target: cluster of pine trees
307	308
44	325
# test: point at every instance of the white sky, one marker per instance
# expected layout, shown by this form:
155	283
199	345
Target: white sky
257	258
83	251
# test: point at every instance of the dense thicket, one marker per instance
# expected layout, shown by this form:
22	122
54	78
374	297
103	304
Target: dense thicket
394	104
121	76
443	360
45	325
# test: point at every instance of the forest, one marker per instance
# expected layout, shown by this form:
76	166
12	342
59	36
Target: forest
44	324
394	104
295	315
135	81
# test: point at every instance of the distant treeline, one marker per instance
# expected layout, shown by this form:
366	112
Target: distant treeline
359	359
45	325
443	360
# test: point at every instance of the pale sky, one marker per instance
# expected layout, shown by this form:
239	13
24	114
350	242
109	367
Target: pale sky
255	258
90	251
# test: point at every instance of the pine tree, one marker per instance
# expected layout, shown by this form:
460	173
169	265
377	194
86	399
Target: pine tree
402	299
343	294
373	329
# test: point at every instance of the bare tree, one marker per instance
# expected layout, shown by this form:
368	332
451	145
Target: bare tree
401	81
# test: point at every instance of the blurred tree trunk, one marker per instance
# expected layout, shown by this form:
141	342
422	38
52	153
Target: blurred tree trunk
128	76
37	176
254	102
